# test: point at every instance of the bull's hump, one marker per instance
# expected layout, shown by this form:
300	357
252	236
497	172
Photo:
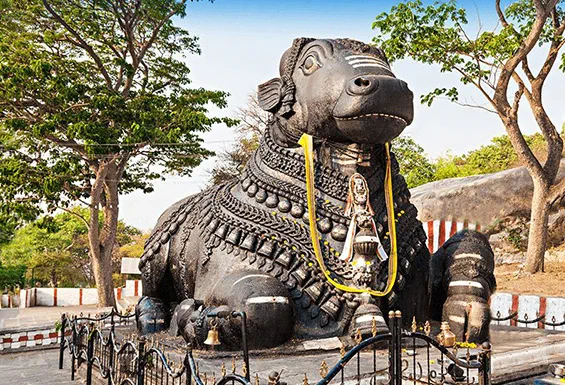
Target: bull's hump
170	222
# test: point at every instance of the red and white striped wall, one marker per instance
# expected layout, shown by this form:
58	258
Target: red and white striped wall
47	296
528	306
30	338
439	231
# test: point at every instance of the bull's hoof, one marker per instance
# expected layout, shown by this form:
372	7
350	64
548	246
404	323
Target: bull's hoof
152	315
468	317
186	311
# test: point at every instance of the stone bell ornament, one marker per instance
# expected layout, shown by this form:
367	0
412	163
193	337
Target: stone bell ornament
364	242
363	248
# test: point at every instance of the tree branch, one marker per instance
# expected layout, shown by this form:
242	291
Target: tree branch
74	146
500	14
517	98
557	192
527	70
527	45
76	215
556	45
146	46
475	106
472	81
82	42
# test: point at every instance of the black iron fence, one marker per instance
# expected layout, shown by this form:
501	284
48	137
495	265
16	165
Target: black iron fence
129	361
539	319
412	357
393	358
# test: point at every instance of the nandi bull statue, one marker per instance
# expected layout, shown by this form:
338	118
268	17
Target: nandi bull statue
317	237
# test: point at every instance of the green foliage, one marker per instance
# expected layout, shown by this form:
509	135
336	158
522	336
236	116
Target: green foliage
518	237
133	248
90	85
54	250
12	276
414	165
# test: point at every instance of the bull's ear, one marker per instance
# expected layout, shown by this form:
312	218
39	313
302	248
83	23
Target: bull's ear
269	94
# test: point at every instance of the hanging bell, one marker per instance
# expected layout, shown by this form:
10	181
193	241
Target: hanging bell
213	336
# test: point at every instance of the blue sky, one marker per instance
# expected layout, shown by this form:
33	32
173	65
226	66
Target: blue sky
242	41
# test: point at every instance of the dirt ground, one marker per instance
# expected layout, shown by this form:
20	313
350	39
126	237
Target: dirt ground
549	283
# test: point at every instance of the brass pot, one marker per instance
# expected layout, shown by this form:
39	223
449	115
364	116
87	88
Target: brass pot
446	337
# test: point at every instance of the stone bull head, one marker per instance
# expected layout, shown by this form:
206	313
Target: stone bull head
340	90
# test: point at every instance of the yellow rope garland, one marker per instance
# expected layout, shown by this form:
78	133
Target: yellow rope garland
306	143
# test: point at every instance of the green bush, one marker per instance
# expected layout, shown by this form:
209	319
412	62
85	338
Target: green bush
497	156
12	276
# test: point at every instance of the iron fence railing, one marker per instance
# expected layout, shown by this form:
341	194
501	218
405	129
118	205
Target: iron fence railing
129	362
413	357
394	358
540	319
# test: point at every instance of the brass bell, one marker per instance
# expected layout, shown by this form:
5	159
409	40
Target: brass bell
213	336
446	337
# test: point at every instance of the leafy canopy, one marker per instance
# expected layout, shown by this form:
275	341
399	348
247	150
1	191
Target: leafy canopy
87	85
436	34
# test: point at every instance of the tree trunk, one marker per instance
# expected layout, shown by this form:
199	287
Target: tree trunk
100	253
102	268
54	281
537	238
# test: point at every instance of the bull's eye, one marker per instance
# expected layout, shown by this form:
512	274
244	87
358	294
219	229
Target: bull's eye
310	65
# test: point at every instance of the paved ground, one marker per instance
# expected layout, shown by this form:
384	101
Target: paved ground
26	318
34	368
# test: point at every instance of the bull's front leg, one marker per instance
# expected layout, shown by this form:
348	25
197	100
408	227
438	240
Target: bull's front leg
266	302
462	273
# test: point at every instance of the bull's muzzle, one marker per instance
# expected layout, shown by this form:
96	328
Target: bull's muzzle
374	108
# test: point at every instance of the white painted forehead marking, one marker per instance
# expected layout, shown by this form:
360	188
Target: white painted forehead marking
370	65
361	57
375	60
357	61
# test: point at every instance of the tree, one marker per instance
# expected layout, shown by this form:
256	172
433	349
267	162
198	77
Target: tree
414	165
253	121
93	95
497	64
11	277
54	249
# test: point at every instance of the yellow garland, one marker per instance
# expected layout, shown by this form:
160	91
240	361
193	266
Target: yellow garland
306	143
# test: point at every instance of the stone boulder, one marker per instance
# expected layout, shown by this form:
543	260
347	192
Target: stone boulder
489	199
